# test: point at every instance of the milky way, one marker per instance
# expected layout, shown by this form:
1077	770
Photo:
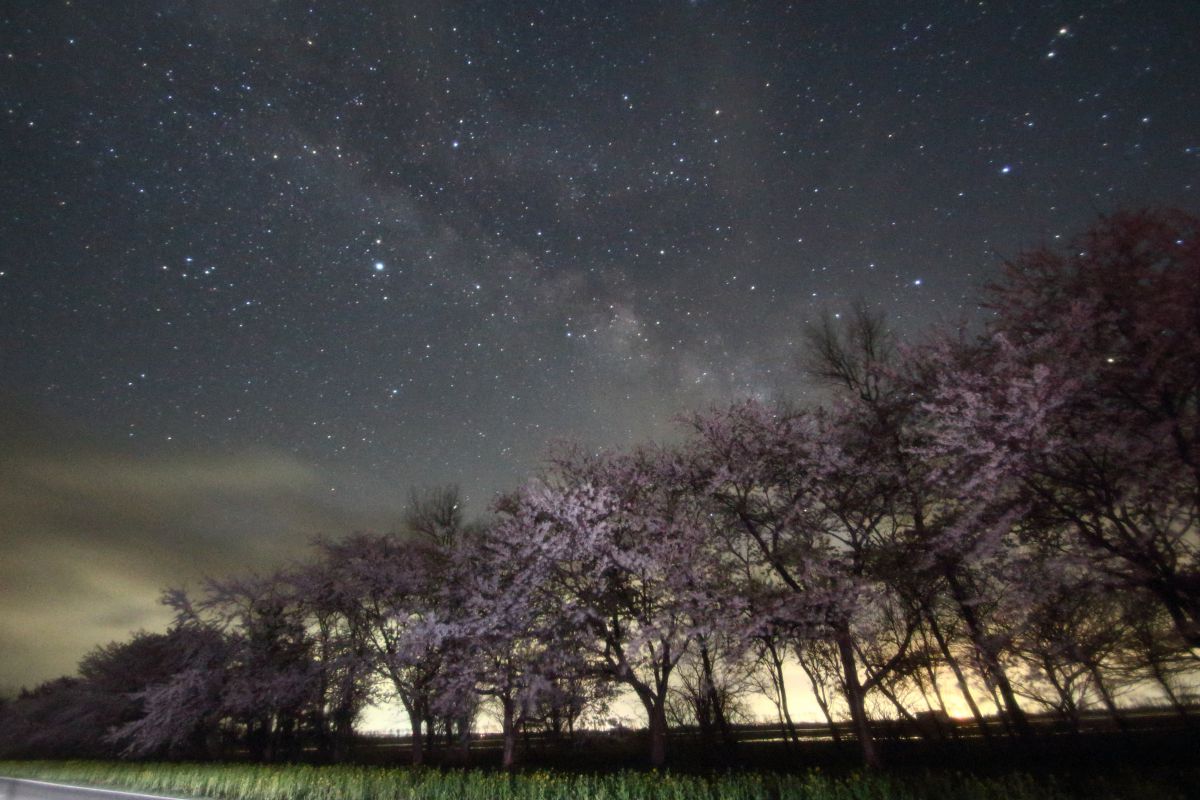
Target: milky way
265	265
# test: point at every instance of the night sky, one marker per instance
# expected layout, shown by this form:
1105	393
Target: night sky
266	265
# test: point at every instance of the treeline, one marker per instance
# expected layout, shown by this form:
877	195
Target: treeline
1005	521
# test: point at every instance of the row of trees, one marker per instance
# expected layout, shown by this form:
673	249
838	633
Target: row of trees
1007	518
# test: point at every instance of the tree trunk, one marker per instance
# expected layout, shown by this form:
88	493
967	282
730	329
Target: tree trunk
715	703
963	687
285	749
1106	697
658	734
323	734
464	739
989	657
940	713
342	731
418	744
781	689
905	714
509	726
1184	613
1164	683
656	719
856	700
256	738
822	703
212	742
1070	712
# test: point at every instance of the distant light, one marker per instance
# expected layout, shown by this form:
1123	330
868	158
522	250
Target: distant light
917	282
1005	169
379	266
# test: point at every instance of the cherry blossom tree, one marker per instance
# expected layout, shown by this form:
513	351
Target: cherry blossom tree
183	713
806	519
80	717
1152	652
711	689
1019	506
385	591
385	587
60	718
1072	637
950	523
345	671
1084	397
624	548
274	678
500	628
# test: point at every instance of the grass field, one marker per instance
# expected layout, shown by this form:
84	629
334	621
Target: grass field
298	782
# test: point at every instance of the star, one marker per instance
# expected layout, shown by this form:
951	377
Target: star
323	204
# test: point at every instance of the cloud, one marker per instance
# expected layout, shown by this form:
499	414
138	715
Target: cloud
91	532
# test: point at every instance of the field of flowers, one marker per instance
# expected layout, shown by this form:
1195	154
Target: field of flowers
299	782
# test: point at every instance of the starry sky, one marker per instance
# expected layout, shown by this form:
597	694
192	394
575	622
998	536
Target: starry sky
265	265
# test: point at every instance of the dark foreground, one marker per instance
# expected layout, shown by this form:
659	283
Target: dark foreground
1103	781
1151	756
1150	740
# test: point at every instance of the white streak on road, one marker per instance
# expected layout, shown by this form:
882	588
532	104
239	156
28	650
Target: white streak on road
92	789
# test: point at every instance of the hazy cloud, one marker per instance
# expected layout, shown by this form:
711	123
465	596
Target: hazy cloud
92	531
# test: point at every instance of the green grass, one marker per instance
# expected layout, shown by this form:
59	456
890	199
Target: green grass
296	782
